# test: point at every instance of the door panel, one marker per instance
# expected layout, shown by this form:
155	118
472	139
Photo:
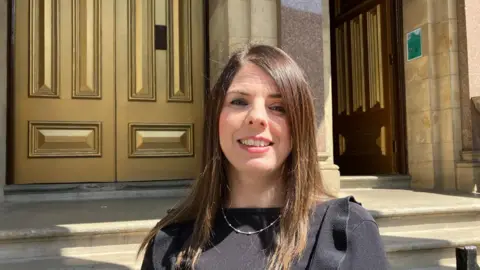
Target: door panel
63	92
95	101
363	112
159	92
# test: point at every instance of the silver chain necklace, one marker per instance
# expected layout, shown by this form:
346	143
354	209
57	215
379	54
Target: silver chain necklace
247	233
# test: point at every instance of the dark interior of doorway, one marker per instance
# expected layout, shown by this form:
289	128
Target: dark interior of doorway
398	95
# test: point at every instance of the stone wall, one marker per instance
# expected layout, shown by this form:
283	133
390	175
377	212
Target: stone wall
234	23
432	93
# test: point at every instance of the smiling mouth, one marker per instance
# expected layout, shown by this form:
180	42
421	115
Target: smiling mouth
255	143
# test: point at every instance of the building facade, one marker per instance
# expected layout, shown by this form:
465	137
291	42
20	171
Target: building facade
112	91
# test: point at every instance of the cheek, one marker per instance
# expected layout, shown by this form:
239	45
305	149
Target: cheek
288	138
222	124
281	130
225	128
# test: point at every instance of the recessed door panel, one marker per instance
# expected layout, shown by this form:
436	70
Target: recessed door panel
159	91
63	95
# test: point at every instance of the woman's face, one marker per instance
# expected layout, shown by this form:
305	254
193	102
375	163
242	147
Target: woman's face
253	127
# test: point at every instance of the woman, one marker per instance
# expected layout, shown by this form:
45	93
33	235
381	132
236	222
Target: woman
260	202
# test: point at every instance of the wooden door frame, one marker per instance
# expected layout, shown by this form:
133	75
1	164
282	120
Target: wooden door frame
400	100
10	149
398	94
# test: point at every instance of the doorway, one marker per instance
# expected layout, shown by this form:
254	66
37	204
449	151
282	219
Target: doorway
106	90
368	124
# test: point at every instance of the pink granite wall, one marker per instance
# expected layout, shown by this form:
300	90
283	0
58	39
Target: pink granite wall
469	68
301	36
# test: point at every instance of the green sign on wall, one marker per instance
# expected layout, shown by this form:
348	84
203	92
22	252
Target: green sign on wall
414	44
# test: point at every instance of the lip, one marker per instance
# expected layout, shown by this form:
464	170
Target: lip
256	149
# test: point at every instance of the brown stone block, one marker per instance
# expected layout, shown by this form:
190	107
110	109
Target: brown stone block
415	14
418	96
441	36
442	126
441	65
416	70
440	10
419	128
422	175
420	152
445	174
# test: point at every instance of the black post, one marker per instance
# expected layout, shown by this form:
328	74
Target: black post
466	258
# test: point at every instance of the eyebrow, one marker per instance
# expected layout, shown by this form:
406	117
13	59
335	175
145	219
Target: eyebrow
243	93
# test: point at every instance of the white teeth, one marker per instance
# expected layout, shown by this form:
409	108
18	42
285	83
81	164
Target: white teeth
258	143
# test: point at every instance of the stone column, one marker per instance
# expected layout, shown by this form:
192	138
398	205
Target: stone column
3	93
432	95
305	35
468	169
234	23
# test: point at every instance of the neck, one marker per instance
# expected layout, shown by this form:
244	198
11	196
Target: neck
254	190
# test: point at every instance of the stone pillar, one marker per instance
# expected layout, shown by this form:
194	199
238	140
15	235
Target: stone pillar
3	93
468	169
234	23
305	35
432	94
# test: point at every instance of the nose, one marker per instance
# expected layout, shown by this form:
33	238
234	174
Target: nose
257	116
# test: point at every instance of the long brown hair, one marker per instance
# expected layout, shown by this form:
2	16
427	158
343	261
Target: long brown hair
304	187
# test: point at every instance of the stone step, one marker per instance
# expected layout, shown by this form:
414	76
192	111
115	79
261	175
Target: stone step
123	257
429	244
420	230
117	247
427	218
51	242
406	210
96	191
110	257
98	234
376	181
447	264
431	259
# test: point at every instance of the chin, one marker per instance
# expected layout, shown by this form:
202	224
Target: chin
258	167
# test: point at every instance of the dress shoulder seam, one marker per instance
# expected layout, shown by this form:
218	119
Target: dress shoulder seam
363	222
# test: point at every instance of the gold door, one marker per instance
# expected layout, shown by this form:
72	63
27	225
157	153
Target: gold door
159	92
64	92
96	99
363	86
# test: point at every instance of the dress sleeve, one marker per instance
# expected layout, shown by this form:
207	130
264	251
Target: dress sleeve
365	248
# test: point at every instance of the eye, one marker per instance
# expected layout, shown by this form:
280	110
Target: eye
278	108
238	102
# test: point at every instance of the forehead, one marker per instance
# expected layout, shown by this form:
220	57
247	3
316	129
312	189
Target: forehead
250	77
